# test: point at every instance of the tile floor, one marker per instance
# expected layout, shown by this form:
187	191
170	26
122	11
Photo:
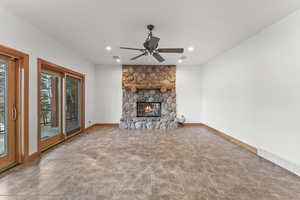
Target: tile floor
185	164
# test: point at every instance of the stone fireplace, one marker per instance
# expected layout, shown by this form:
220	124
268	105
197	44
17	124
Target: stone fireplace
149	97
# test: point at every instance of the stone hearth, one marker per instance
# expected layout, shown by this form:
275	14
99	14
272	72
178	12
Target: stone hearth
149	84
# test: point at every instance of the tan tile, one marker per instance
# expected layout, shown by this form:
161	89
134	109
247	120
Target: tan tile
187	164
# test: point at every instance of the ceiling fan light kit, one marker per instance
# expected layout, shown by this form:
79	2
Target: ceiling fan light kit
151	47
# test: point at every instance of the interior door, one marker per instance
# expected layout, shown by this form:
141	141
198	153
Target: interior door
8	112
73	104
50	94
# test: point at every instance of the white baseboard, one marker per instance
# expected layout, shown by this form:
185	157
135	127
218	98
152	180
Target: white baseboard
279	161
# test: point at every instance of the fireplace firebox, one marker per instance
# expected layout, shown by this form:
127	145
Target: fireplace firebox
148	109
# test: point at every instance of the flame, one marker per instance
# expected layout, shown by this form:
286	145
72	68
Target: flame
148	109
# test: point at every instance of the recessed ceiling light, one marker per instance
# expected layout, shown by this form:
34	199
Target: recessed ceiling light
117	59
191	49
108	48
179	61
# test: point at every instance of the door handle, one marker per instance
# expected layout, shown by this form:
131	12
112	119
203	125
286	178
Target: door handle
14	113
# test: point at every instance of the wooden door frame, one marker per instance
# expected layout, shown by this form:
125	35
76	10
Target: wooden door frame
10	158
82	108
22	101
43	64
59	137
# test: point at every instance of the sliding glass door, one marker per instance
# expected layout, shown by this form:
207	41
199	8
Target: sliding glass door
73	104
61	104
8	112
50	108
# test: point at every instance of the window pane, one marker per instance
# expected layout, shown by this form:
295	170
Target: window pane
3	108
50	101
73	108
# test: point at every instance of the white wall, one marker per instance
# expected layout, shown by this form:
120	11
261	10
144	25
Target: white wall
109	92
188	91
252	92
16	33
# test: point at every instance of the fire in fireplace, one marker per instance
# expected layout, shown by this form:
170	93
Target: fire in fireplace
148	109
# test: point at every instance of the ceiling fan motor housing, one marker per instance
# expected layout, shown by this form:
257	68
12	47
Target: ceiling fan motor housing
150	27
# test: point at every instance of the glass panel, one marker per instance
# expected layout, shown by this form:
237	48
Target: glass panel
148	109
73	108
3	107
50	100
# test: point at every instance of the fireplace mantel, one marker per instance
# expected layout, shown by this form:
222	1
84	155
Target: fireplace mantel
135	87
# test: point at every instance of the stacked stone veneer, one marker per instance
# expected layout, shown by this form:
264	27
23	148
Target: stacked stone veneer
146	78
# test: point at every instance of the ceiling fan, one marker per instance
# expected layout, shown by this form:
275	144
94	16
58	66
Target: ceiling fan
151	47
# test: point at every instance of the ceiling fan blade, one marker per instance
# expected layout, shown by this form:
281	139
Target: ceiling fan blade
128	48
170	50
136	57
158	57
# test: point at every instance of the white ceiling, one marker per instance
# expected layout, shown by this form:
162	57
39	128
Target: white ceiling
211	26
